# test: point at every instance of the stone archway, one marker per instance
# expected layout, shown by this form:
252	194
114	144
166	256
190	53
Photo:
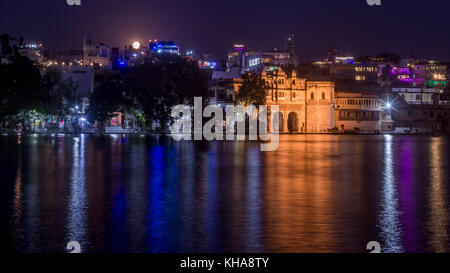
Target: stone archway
292	122
277	116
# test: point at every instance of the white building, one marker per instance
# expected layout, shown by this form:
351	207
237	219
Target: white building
96	54
359	112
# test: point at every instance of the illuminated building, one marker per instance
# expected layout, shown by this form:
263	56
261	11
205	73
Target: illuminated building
256	61
96	54
33	50
367	73
305	106
314	106
188	54
251	60
206	61
414	73
165	47
236	56
344	70
333	57
358	112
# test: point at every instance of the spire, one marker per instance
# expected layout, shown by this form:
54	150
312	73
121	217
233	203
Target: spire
290	47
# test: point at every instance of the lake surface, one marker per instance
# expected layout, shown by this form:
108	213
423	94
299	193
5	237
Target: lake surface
317	193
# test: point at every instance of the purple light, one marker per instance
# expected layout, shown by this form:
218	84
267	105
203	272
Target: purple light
406	80
400	70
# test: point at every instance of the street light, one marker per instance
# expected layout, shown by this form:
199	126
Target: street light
389	105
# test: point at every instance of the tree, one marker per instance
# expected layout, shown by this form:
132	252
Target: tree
105	100
29	92
60	93
20	87
252	91
159	85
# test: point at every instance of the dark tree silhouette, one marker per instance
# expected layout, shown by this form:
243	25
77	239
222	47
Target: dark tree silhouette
158	85
252	91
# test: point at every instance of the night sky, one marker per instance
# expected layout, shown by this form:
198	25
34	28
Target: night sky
353	27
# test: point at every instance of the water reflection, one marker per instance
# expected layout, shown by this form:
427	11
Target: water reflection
32	242
438	203
18	205
149	194
156	218
299	206
254	203
76	224
210	220
135	184
389	217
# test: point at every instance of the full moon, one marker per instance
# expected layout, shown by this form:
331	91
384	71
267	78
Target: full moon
136	45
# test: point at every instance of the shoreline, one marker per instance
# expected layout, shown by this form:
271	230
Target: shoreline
3	133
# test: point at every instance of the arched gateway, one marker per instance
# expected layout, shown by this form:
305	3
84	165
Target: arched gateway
292	122
304	106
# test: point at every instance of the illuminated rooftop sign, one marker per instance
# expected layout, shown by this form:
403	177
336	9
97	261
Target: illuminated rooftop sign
254	62
238	47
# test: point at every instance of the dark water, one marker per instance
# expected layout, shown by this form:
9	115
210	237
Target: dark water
150	194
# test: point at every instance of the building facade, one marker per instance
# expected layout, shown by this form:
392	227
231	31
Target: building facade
304	106
96	54
418	95
358	112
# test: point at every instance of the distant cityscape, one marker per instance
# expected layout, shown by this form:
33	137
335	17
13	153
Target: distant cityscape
336	94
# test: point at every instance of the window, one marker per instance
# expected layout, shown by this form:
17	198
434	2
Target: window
294	95
323	95
312	96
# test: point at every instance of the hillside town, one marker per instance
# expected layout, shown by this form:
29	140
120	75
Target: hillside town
384	93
